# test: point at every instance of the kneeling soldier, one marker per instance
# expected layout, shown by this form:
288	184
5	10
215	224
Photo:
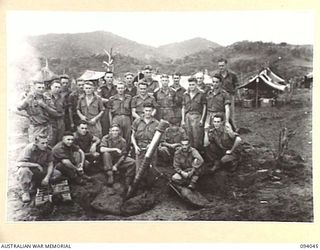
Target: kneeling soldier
69	159
187	163
87	142
114	150
36	166
171	141
223	145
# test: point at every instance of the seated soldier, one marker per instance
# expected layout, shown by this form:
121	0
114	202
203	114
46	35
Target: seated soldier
171	141
36	166
69	159
87	142
114	150
223	145
187	164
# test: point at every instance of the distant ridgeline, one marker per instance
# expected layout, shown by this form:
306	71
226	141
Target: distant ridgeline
66	53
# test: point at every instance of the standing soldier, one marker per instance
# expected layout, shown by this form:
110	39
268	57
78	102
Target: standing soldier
229	84
187	163
105	91
65	92
194	106
38	108
165	98
139	100
218	102
179	96
59	104
90	109
200	82
152	84
130	89
73	103
114	149
120	111
143	130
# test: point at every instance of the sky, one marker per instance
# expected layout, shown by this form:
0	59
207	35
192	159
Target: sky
159	28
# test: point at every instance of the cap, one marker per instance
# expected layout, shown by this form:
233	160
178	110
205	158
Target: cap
64	76
147	67
67	133
88	83
192	79
128	74
115	125
164	76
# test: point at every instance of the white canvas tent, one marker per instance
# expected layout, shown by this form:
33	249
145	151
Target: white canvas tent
91	75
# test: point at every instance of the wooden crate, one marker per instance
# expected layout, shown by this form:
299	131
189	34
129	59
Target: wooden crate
266	102
247	103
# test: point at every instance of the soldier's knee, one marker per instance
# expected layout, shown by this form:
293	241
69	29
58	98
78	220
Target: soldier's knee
176	177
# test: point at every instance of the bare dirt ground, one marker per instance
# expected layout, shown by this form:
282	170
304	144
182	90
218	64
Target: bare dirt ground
261	189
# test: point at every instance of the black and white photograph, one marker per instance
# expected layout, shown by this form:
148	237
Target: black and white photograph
160	116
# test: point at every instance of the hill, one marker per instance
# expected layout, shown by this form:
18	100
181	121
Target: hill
185	48
87	44
246	58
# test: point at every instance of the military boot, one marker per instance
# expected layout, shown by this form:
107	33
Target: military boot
193	182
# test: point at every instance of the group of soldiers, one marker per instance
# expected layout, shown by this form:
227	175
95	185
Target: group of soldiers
106	126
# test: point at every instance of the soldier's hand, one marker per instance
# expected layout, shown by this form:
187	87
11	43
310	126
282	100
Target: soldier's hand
114	168
183	123
137	150
118	151
92	121
228	125
83	118
41	103
45	182
93	149
228	152
40	168
201	123
95	154
184	174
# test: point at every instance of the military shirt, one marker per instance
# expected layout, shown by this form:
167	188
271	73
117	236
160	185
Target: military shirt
138	101
194	104
229	83
179	95
32	154
174	134
105	92
165	98
73	100
119	106
58	103
224	137
184	160
152	85
109	142
132	91
83	141
61	152
144	132
216	101
37	114
91	110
